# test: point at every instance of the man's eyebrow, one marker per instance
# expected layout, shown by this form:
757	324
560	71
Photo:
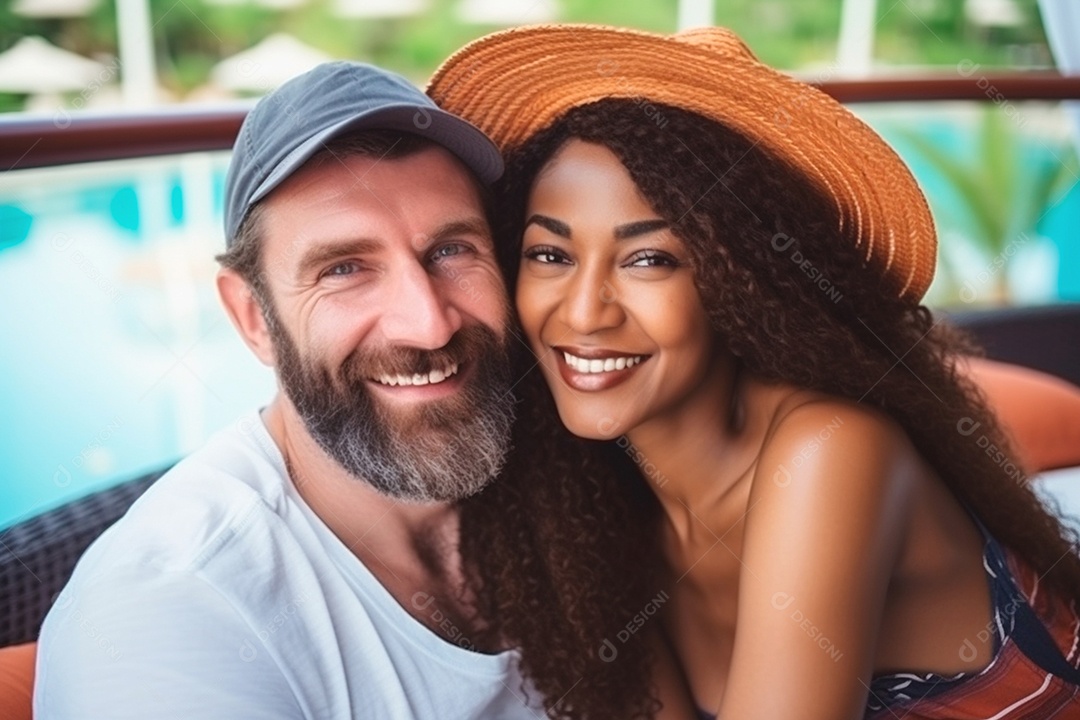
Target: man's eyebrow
328	251
550	224
466	226
641	227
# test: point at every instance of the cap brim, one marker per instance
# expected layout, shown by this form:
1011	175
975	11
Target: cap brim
467	142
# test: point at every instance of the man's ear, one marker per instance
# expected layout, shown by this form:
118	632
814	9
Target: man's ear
246	315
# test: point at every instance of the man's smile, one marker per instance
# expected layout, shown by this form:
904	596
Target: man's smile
433	377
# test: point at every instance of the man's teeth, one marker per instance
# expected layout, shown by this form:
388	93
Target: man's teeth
432	378
597	365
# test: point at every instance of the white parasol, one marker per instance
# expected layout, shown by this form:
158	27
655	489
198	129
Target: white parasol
33	65
267	65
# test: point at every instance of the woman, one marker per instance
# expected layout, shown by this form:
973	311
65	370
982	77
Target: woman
720	269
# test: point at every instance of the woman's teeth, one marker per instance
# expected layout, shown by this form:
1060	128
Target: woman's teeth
598	365
432	378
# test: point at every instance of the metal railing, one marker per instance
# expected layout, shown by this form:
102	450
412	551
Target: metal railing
27	142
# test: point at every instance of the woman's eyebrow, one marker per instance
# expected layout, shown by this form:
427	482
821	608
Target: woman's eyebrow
622	232
550	224
641	227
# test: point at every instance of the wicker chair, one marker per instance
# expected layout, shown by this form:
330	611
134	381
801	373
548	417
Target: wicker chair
38	555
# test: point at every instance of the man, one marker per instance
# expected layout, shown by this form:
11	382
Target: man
303	564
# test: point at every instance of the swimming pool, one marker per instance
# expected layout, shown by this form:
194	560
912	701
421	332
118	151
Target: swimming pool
117	356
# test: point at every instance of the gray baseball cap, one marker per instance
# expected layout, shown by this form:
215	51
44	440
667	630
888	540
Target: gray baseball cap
291	124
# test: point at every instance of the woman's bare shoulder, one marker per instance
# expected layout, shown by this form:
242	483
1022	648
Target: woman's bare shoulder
830	444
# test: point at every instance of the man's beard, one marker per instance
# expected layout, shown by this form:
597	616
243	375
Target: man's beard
438	451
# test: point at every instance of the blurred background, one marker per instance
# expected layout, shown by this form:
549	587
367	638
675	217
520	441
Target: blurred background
116	357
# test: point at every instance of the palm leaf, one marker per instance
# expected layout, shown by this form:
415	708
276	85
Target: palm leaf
969	184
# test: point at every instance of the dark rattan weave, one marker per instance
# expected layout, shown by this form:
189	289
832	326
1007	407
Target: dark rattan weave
38	555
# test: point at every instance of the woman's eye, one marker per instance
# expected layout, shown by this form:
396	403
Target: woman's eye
545	255
652	258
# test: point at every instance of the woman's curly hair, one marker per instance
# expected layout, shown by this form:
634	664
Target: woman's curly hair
564	543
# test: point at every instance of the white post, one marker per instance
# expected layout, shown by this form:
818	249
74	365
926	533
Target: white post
138	72
695	13
855	49
1061	21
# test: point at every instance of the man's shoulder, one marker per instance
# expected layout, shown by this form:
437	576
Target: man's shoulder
224	489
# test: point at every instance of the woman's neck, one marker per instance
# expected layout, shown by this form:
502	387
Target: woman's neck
692	457
682	453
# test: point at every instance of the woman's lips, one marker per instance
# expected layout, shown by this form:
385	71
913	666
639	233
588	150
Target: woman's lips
593	370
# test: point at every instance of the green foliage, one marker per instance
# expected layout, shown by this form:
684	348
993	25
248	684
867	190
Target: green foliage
11	102
937	32
190	36
782	33
654	15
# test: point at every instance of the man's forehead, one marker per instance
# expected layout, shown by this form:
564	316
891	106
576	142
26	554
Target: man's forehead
430	177
427	162
415	194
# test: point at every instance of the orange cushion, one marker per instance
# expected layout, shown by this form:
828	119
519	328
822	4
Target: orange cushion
17	681
1040	412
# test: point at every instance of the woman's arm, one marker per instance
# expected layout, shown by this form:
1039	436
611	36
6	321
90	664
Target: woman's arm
823	533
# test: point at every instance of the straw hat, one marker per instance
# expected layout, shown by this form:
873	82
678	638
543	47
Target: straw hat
513	83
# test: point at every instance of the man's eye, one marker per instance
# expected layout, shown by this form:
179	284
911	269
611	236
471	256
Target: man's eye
545	255
341	269
449	250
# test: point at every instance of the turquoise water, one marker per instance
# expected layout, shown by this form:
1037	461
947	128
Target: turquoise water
1044	265
117	357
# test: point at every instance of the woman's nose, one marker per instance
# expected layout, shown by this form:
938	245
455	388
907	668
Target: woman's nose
593	302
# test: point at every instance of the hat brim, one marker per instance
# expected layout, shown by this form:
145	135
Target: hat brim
514	83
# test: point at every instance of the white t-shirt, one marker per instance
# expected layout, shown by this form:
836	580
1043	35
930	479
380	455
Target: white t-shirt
220	594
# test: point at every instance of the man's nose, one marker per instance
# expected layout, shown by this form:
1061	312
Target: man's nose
417	308
592	302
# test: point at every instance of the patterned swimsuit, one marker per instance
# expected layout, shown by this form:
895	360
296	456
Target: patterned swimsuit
1034	673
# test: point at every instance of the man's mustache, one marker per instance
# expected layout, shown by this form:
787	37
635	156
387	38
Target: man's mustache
467	344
